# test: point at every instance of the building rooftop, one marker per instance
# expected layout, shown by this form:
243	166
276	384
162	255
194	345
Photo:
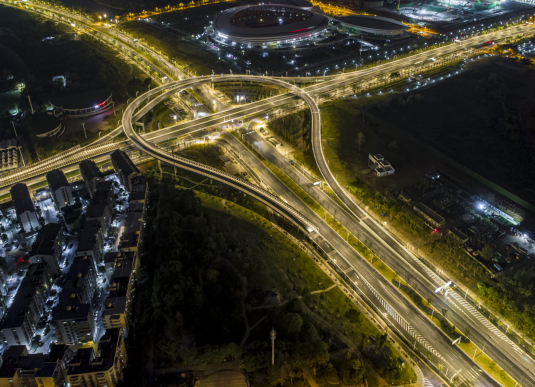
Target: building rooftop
105	185
28	287
114	305
133	222
72	213
130	239
79	269
89	170
57	351
95	211
139	180
17	357
77	184
11	143
430	213
111	257
135	207
124	163
56	180
25	362
15	351
21	198
47	370
87	361
71	310
459	234
88	235
47	236
139	192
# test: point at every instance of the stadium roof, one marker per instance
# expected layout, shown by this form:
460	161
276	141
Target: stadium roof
374	24
222	24
294	3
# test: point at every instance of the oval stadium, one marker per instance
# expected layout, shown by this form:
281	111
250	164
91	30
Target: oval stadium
266	26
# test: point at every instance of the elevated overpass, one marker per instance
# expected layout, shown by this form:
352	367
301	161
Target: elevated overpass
155	151
405	315
323	86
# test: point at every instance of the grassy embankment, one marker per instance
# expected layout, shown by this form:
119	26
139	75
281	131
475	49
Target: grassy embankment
304	275
331	132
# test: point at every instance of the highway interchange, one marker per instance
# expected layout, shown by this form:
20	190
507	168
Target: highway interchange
403	314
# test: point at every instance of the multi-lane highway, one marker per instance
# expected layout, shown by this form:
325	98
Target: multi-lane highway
348	259
461	314
405	316
264	196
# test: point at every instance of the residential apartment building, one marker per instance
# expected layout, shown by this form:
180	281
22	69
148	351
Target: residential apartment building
105	194
91	175
73	216
133	228
125	168
92	242
100	212
20	369
73	322
103	367
117	308
18	326
9	152
48	247
81	281
60	189
139	192
72	319
24	207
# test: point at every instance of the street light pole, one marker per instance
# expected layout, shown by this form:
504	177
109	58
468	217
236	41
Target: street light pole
29	99
13	123
272	335
22	158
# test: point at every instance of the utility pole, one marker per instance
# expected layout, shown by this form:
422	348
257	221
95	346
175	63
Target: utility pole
272	334
29	99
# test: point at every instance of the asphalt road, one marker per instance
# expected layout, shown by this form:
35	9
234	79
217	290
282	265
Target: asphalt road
503	352
461	314
403	315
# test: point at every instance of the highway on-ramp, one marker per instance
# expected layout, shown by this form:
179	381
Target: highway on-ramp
402	310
